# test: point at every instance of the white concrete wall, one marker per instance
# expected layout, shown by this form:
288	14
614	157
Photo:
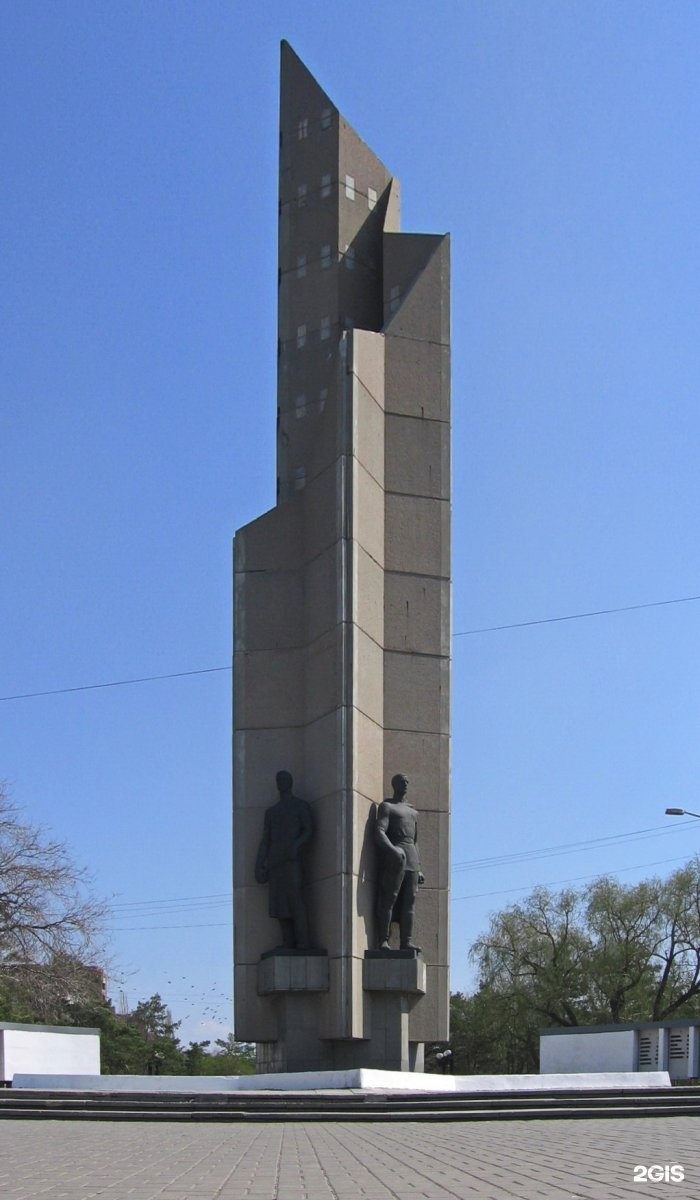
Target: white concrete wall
362	1079
30	1051
563	1052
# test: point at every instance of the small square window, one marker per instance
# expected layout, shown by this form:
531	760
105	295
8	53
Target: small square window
301	336
299	478
371	198
303	129
349	258
301	195
325	256
349	187
394	299
300	405
325	186
325	328
326	118
301	266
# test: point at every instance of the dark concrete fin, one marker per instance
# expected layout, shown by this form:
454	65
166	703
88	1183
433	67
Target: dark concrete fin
417	286
301	96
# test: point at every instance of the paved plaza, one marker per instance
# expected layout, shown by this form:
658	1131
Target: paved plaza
442	1160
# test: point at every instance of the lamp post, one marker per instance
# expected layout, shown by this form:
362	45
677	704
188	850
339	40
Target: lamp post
681	812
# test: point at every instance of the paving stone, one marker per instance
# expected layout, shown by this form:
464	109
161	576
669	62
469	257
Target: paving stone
441	1160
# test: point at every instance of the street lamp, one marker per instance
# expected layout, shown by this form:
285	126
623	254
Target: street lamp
681	812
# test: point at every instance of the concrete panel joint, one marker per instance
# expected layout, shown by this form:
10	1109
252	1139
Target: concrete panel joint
293	973
394	974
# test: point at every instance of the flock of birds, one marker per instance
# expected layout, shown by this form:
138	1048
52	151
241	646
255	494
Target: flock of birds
208	1003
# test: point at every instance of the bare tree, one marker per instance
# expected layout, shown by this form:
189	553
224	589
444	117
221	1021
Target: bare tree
50	924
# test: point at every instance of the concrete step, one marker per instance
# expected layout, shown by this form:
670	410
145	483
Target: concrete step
290	1106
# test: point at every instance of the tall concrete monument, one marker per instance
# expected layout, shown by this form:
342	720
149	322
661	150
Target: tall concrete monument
342	624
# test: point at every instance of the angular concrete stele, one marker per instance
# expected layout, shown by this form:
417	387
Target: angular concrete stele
342	591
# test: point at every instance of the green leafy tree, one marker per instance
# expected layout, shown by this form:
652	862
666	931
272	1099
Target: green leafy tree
232	1057
490	1034
677	955
627	930
124	1048
538	954
152	1018
603	955
195	1057
11	1008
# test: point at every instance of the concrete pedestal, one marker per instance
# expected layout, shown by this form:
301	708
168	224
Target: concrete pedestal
296	981
395	979
282	973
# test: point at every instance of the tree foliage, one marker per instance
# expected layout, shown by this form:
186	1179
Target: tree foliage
232	1057
50	924
603	955
145	1042
153	1020
124	1049
490	1034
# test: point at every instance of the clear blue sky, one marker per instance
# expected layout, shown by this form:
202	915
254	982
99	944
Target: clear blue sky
558	142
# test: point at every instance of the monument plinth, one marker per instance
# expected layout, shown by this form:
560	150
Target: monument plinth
342	614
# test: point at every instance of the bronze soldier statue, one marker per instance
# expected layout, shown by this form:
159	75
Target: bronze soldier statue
288	827
398	867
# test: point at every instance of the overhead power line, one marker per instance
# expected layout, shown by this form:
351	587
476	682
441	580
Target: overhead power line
146	909
454	899
598	612
136	928
172	910
133	909
602	843
170	900
529	887
90	687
